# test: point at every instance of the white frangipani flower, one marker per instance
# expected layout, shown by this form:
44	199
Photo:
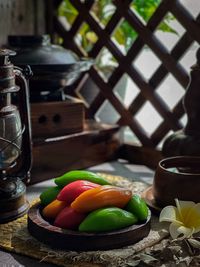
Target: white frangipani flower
184	218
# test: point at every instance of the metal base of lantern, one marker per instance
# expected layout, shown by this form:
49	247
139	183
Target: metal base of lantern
13	205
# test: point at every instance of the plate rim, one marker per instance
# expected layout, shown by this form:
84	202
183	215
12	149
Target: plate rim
37	222
149	198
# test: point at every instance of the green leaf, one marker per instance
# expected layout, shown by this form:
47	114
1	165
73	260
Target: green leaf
104	9
67	10
145	8
166	28
91	37
119	36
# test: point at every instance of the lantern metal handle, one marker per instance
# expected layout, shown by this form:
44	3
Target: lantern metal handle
24	109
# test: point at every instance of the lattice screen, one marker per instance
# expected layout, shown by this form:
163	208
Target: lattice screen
149	91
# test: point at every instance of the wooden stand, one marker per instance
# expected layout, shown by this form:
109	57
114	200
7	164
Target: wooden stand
50	119
54	156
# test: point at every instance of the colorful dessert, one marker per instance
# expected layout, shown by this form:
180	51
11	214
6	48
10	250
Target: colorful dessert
100	197
49	195
107	219
53	209
72	190
72	176
86	202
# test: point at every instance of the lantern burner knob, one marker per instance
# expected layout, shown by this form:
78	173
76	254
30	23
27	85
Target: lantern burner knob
4	56
7	52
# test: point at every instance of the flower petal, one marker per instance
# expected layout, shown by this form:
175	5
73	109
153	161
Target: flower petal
187	232
176	230
185	218
192	217
173	230
169	214
183	208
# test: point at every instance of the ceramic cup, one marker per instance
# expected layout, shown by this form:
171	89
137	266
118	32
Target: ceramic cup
177	177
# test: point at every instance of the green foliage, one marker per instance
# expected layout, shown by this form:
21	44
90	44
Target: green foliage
103	10
145	8
68	10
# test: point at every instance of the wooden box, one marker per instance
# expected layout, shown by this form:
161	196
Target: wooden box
51	119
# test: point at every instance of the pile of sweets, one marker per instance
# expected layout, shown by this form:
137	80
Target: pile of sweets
86	202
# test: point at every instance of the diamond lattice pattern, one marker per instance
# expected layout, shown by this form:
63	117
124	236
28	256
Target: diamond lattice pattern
134	74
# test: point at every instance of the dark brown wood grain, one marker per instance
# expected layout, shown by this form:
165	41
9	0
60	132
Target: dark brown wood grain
146	36
15	21
133	52
57	118
74	240
55	156
127	116
187	20
140	155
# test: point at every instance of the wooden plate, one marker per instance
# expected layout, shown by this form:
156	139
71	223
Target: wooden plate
74	240
148	196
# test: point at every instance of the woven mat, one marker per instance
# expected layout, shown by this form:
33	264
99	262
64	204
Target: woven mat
15	237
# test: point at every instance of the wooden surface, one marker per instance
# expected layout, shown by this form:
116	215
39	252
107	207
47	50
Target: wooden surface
74	240
149	198
96	144
140	155
21	17
53	156
57	118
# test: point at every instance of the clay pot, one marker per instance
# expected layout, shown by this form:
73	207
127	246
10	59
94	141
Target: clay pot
177	177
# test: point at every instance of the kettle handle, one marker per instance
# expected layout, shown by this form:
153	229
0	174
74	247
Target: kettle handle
25	161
